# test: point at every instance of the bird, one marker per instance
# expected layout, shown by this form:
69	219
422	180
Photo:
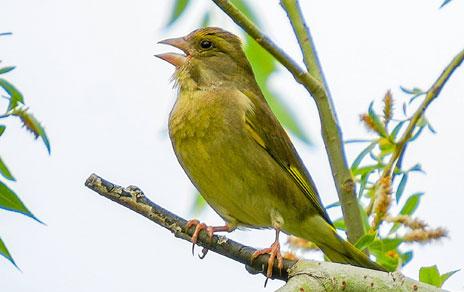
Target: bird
237	154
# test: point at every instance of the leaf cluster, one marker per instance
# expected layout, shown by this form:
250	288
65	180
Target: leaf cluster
388	212
15	108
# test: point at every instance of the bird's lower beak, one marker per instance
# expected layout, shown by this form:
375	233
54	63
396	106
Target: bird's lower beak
174	58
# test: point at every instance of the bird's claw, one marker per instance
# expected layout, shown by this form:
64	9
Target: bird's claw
204	251
274	252
198	228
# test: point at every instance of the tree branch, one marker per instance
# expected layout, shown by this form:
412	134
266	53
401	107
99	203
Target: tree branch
326	276
133	198
305	40
315	276
430	96
330	128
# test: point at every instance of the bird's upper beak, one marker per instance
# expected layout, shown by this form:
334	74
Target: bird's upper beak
175	58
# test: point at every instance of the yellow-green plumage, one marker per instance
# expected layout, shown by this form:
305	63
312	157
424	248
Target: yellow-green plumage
235	151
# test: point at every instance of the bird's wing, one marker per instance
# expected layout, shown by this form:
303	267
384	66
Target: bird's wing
264	128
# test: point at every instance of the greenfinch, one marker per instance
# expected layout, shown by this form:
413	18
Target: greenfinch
237	154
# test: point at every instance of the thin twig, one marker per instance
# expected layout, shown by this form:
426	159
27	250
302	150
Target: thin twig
134	199
314	87
305	40
430	96
400	148
330	128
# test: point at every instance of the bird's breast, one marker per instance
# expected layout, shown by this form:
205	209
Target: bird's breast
209	139
205	114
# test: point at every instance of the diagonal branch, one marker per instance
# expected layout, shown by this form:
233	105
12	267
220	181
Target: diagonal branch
430	96
317	276
305	40
331	132
134	199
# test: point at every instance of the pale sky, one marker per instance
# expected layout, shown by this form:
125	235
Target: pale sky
87	71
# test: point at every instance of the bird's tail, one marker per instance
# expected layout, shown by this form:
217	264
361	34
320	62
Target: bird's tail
346	253
333	246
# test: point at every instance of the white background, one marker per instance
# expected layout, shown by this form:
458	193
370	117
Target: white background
88	73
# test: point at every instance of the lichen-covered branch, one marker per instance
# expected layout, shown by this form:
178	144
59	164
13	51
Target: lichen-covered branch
133	198
325	276
331	132
312	275
430	96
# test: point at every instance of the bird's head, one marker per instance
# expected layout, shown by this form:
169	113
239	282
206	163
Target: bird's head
211	56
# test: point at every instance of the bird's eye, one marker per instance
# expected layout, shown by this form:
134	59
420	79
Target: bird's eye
205	44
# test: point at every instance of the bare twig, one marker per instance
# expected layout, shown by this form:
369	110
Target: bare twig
330	128
322	276
305	40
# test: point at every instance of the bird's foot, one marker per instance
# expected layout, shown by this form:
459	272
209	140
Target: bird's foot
210	230
274	252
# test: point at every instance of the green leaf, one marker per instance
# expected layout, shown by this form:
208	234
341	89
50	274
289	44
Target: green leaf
406	257
386	146
2	129
177	10
379	126
409	208
206	19
363	184
340	224
15	96
389	263
361	155
396	130
11	202
4	252
430	275
401	186
391	243
246	9
364	219
366	169
394	228
405	108
414	91
407	91
446	276
199	204
384	245
411	204
445	3
365	241
431	129
333	205
350	141
416	168
33	125
5	171
6	69
262	62
417	134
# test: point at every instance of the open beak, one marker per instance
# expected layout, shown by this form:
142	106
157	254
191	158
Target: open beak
175	58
